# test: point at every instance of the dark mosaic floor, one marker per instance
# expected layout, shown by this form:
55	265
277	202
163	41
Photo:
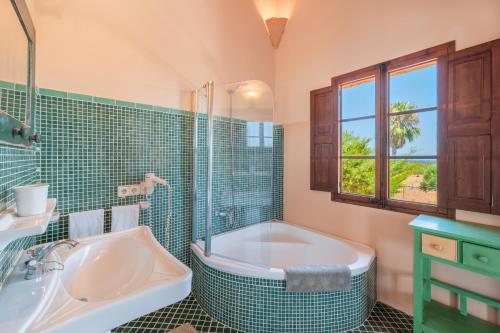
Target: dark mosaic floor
386	319
383	319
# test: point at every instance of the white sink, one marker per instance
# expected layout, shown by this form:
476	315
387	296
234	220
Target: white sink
108	269
107	281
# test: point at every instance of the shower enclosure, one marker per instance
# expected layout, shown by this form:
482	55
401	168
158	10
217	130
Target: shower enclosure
233	159
239	258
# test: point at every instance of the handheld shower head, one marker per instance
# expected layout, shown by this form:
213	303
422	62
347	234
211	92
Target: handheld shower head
150	180
155	179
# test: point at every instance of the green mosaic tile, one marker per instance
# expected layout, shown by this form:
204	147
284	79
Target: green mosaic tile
80	97
102	100
161	109
246	174
278	166
125	104
383	319
17	167
264	306
13	102
20	87
144	106
7	85
52	93
91	148
166	319
181	112
10	254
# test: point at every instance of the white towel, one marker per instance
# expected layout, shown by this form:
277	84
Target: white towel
124	217
85	224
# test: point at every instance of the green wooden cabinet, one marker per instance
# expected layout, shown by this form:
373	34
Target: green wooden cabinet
470	246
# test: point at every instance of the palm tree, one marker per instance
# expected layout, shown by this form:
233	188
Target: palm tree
403	127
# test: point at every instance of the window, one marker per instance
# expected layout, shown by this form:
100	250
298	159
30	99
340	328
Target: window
267	134
253	134
412	134
387	134
259	134
357	105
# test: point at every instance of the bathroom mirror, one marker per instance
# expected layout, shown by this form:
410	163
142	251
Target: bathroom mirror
17	74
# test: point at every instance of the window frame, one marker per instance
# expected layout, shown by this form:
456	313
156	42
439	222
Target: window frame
372	71
260	136
381	71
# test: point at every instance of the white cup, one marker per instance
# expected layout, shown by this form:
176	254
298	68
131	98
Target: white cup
31	199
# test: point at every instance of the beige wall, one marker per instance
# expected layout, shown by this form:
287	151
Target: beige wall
325	38
152	51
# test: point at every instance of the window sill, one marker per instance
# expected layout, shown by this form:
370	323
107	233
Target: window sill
395	206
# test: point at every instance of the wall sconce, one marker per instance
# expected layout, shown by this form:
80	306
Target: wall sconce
252	93
276	28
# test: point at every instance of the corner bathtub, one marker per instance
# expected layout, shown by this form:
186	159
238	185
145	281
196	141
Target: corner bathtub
242	283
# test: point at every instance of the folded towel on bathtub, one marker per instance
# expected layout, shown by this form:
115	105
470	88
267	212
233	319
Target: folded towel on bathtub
318	278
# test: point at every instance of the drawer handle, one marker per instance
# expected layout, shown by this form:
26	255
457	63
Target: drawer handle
482	259
437	247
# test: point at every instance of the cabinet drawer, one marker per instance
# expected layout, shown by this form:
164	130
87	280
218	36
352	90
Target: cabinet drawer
440	247
482	257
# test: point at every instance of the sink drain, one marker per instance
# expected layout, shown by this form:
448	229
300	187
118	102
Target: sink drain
83	299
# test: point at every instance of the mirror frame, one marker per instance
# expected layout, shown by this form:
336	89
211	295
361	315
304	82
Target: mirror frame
14	131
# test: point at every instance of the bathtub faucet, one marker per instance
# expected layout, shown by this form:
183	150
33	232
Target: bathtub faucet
227	213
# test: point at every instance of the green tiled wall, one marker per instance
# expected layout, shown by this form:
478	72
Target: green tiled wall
13	99
91	145
246	179
256	305
89	148
278	146
17	167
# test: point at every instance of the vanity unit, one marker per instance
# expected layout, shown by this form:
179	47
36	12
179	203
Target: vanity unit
470	246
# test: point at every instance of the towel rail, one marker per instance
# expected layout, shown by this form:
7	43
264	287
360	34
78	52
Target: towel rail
56	216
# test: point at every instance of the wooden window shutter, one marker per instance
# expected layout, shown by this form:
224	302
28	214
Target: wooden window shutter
473	130
322	132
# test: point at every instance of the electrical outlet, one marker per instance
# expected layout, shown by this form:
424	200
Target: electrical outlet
134	189
129	190
123	191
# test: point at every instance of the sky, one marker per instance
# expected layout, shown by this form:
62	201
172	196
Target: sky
418	87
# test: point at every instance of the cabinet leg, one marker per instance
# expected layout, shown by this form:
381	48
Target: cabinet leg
418	272
427	278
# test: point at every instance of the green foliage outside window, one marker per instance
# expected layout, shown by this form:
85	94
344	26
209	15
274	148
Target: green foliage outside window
358	175
429	181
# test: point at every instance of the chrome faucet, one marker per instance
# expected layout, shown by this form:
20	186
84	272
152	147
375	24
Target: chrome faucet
228	213
35	267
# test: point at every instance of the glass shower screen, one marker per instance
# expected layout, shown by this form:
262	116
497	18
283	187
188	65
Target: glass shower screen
233	176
